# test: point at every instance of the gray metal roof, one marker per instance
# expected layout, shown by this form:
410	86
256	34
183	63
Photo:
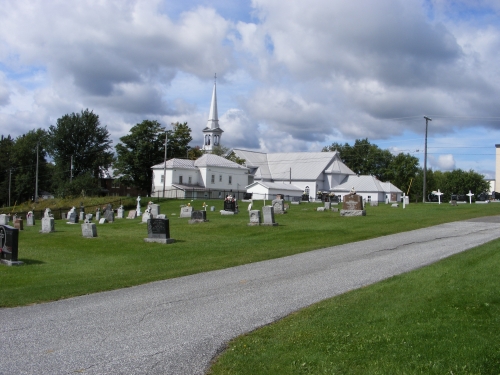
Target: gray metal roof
177	163
302	165
211	160
366	184
275	185
207	160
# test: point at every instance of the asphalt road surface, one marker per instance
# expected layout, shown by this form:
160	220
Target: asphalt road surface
177	326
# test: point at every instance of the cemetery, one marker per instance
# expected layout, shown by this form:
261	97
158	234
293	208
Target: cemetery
88	257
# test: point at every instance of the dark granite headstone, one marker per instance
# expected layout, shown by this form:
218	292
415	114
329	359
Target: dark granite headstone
9	241
72	218
198	216
230	206
109	214
159	231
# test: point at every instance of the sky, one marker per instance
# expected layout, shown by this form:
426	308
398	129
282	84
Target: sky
291	75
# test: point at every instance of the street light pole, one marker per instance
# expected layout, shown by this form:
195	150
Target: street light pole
165	165
427	119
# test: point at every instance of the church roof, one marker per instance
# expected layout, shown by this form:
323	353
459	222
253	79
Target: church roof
211	160
275	185
213	116
365	184
207	160
177	163
303	165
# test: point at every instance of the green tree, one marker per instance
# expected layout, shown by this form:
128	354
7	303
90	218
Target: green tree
404	168
178	141
142	148
79	136
25	156
6	164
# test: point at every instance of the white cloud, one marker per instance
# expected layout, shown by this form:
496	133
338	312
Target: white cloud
442	162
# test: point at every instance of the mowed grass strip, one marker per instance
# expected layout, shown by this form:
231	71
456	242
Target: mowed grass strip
64	264
441	319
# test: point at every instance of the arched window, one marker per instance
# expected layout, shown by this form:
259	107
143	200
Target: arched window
306	190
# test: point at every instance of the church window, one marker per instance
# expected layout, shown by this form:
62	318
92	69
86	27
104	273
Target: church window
189	180
162	178
306	190
230	180
213	179
180	179
220	178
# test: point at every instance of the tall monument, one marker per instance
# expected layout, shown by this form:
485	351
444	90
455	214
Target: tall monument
212	133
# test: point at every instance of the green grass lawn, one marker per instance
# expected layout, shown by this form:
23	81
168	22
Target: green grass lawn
440	319
64	264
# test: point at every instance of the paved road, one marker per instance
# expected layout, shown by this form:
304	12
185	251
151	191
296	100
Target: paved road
177	326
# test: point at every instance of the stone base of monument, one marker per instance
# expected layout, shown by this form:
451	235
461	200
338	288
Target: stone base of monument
335	209
224	212
352	213
7	262
160	240
89	230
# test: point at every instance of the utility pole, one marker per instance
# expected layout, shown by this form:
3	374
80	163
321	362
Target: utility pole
427	119
10	179
165	165
36	175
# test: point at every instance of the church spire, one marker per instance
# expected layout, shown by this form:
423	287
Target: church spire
212	133
213	117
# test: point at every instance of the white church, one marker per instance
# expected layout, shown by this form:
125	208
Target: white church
264	175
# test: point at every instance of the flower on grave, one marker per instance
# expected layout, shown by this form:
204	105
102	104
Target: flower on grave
319	193
332	194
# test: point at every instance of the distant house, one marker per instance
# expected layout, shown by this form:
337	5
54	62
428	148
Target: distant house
210	176
370	188
112	186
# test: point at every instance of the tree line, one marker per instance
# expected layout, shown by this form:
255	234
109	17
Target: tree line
403	171
75	152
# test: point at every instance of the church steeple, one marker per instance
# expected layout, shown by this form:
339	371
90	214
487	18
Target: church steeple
212	133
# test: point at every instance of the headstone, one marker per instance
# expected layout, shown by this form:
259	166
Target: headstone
109	214
9	241
321	209
98	214
212	208
155	210
161	216
30	219
4	219
14	218
328	205
278	205
138	209
120	213
102	220
268	214
159	231
19	224
254	217
186	211
82	212
48	223
230	204
72	218
453	203
89	230
352	205
132	214
63	215
224	212
335	209
395	205
146	216
373	203
89	217
198	216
